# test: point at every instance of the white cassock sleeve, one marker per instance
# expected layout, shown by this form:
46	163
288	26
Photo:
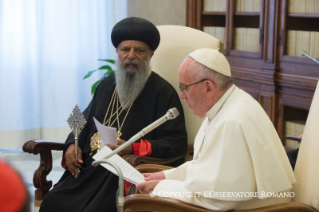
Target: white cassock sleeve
178	173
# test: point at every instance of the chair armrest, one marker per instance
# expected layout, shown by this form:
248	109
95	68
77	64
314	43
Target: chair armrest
150	168
39	177
139	202
137	160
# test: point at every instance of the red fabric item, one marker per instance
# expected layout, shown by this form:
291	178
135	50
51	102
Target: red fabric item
145	148
63	163
136	148
142	149
12	189
126	186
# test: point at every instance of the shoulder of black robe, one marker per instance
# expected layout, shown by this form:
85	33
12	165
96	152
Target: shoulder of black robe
157	97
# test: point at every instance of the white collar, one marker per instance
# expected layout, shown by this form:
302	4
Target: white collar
211	113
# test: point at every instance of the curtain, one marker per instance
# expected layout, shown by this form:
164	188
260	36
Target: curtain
46	48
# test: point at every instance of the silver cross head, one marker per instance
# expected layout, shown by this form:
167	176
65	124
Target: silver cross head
76	121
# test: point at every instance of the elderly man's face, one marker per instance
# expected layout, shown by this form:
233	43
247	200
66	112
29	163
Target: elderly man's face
130	50
194	94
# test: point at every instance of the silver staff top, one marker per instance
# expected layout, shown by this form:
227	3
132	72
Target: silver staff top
76	121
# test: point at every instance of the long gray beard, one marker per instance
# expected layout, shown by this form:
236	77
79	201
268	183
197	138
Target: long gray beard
131	81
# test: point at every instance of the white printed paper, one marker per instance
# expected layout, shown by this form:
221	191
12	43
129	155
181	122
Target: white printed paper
129	172
108	134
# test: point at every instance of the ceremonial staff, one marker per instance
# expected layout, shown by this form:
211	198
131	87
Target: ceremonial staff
76	122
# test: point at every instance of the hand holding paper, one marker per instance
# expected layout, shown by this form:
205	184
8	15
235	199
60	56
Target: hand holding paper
127	151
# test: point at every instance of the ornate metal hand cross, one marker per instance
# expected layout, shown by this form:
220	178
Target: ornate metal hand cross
77	123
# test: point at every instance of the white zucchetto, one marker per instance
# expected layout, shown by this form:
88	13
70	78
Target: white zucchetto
212	59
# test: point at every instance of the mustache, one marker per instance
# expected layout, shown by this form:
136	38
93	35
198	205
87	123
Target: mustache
128	61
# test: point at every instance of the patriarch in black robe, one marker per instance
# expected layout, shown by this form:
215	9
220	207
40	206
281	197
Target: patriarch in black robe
130	100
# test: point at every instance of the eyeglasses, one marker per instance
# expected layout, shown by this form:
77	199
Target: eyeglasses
183	87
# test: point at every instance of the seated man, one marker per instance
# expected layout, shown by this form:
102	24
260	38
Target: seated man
238	157
131	100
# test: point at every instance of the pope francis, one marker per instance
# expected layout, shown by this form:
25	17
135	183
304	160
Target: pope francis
239	161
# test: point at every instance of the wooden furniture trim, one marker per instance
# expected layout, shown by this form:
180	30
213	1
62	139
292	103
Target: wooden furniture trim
291	103
230	26
246	13
199	8
296	59
213	13
303	15
150	168
39	177
229	30
282	37
238	53
191	10
282	103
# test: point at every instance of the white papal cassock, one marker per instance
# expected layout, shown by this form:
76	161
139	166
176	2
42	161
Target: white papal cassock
236	150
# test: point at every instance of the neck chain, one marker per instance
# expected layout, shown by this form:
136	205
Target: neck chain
117	112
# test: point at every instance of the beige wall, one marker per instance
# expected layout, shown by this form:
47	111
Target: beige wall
159	12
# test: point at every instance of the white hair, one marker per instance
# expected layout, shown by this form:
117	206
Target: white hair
203	72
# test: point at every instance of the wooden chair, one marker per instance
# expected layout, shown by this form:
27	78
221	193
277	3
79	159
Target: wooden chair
45	148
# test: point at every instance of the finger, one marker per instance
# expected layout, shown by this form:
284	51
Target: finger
148	178
80	156
76	166
69	161
140	186
146	174
72	169
120	141
70	165
141	191
151	176
112	147
73	165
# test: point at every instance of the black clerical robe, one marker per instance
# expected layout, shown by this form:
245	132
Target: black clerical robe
95	188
